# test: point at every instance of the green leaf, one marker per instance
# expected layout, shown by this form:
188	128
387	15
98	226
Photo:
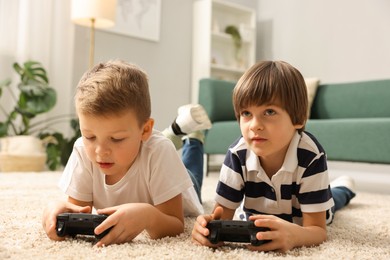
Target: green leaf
29	64
17	68
37	104
235	33
33	88
13	115
52	160
3	129
31	70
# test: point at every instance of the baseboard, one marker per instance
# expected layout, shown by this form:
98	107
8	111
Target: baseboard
368	177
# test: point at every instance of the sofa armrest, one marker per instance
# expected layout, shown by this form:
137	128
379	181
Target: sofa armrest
216	97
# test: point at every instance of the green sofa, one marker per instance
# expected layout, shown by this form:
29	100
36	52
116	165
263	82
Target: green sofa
350	120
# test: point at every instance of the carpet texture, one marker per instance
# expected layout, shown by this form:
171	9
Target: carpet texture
360	231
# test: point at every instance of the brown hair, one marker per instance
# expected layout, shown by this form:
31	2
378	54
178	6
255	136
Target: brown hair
114	87
269	80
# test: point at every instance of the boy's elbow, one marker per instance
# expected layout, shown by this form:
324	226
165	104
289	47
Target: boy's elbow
322	236
325	235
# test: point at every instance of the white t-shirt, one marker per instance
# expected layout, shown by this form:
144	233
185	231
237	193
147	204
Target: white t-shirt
156	176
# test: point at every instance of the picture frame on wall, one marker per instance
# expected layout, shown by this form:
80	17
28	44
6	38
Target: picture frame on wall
138	18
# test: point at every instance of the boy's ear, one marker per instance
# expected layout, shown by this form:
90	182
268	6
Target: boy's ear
147	129
299	126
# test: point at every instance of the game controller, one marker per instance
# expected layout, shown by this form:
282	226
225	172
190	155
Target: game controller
234	231
73	224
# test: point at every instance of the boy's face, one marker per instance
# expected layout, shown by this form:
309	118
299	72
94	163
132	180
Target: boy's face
268	130
112	142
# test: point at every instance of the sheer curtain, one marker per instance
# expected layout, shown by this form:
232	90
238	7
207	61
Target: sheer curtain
39	30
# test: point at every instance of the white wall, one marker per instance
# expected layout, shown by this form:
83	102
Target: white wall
337	41
168	62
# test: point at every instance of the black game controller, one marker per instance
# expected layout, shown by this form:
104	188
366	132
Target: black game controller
73	224
235	231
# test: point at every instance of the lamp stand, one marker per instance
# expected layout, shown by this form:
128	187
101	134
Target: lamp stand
92	44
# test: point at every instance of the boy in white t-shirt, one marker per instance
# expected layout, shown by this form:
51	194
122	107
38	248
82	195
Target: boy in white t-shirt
124	168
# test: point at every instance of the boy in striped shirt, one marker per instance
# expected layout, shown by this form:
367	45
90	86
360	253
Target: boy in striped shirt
275	171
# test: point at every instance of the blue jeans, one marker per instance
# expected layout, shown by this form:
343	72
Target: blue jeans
192	157
341	197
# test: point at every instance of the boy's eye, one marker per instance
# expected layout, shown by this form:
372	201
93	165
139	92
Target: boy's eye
245	113
90	138
269	112
117	140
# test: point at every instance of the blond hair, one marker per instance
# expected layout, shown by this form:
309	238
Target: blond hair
114	87
267	81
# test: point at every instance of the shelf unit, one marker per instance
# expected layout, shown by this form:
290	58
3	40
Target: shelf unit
213	51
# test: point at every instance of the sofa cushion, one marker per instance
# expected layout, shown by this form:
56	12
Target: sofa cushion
364	99
353	139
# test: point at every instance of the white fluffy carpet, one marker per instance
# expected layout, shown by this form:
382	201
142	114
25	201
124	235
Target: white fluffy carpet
360	231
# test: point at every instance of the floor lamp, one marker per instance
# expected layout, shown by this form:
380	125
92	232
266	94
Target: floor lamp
93	14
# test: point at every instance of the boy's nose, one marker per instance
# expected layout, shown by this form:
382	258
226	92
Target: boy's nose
257	124
102	150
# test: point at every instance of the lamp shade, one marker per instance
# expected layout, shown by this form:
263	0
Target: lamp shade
102	11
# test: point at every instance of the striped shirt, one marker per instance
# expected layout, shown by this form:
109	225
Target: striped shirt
301	184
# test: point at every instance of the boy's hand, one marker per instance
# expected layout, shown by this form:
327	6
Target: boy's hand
49	219
200	232
285	235
127	220
282	233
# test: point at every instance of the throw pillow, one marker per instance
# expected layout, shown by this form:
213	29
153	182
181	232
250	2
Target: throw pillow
311	85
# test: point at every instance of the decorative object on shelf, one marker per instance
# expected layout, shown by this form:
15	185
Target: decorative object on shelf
235	33
21	146
237	40
138	18
94	14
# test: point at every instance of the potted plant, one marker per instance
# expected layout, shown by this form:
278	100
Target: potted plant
22	149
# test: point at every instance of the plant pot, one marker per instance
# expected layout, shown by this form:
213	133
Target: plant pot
22	153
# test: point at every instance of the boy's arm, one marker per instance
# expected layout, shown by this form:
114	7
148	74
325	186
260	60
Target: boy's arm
169	220
80	203
285	235
128	220
315	225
